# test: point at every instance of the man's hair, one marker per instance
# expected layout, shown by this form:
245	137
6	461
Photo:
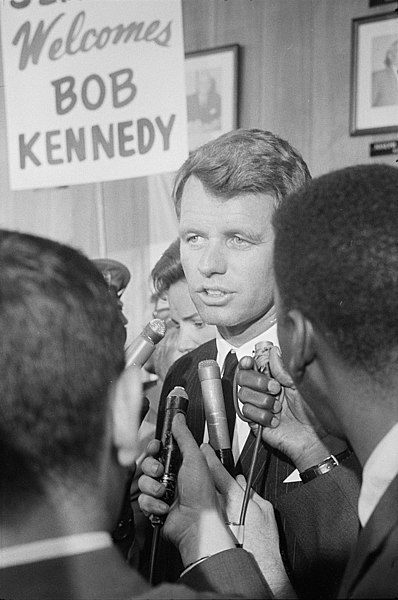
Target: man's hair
61	346
168	269
244	161
336	260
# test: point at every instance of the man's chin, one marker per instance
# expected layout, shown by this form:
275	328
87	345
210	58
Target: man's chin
214	315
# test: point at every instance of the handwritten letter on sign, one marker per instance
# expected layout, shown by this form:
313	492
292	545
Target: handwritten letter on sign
94	90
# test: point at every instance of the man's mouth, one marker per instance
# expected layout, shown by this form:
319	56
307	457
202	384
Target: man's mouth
214	294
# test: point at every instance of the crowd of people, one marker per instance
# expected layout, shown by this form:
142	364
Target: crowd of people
265	253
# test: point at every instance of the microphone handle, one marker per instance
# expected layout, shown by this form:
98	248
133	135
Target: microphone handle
139	351
170	455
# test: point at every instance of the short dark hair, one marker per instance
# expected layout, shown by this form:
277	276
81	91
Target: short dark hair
336	260
61	347
168	269
244	161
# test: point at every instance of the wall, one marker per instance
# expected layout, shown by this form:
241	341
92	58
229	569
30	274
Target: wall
295	69
295	81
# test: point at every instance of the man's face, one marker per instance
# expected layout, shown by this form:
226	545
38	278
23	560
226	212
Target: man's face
308	383
226	253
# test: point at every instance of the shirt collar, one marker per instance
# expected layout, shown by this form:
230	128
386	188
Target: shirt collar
53	548
223	347
379	471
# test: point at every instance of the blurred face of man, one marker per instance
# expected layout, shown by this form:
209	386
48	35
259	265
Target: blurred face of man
226	253
192	330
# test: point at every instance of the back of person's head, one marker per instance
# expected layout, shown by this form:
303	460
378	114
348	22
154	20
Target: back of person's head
244	161
61	347
336	260
168	269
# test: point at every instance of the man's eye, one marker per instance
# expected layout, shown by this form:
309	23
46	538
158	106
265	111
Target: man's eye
239	242
192	239
199	324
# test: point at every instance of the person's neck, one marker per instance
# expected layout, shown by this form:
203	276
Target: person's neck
48	518
365	409
240	334
366	433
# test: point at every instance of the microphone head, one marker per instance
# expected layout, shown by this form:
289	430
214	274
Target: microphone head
155	330
178	391
177	400
208	369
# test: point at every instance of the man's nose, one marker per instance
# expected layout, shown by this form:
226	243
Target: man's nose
213	259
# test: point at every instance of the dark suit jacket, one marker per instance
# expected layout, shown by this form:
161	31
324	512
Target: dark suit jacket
325	496
372	571
102	575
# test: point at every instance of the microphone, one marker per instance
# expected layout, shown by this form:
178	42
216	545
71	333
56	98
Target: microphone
142	347
217	424
170	455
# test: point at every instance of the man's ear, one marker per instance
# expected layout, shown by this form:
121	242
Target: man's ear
126	408
301	344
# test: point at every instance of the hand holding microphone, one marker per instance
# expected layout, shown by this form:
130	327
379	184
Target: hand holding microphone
194	521
170	456
289	425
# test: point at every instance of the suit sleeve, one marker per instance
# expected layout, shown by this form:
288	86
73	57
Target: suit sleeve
322	515
232	573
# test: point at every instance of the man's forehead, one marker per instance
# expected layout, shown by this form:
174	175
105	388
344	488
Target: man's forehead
252	211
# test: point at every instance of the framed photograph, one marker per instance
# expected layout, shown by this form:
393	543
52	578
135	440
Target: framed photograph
374	74
211	79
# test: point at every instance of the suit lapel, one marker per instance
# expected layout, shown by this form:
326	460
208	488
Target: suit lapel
380	524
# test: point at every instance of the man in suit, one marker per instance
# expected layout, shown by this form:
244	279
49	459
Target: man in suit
385	82
225	195
336	296
69	417
336	270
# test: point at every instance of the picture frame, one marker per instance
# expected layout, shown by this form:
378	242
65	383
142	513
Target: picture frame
373	3
211	78
374	85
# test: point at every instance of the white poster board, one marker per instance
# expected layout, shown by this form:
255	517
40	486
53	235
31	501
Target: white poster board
94	90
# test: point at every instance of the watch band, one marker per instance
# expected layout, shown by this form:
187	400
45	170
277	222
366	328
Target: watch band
325	466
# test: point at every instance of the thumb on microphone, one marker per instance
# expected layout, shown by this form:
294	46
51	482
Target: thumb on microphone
229	491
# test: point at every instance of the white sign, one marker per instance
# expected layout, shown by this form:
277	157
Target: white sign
94	90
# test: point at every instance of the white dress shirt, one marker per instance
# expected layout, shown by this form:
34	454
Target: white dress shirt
47	549
379	471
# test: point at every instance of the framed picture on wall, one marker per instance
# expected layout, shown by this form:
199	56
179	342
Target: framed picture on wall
211	79
374	74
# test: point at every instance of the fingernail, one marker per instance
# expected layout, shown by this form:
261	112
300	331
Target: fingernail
159	488
156	469
274	422
277	407
162	508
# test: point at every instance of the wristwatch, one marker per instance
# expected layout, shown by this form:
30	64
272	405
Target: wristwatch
325	466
